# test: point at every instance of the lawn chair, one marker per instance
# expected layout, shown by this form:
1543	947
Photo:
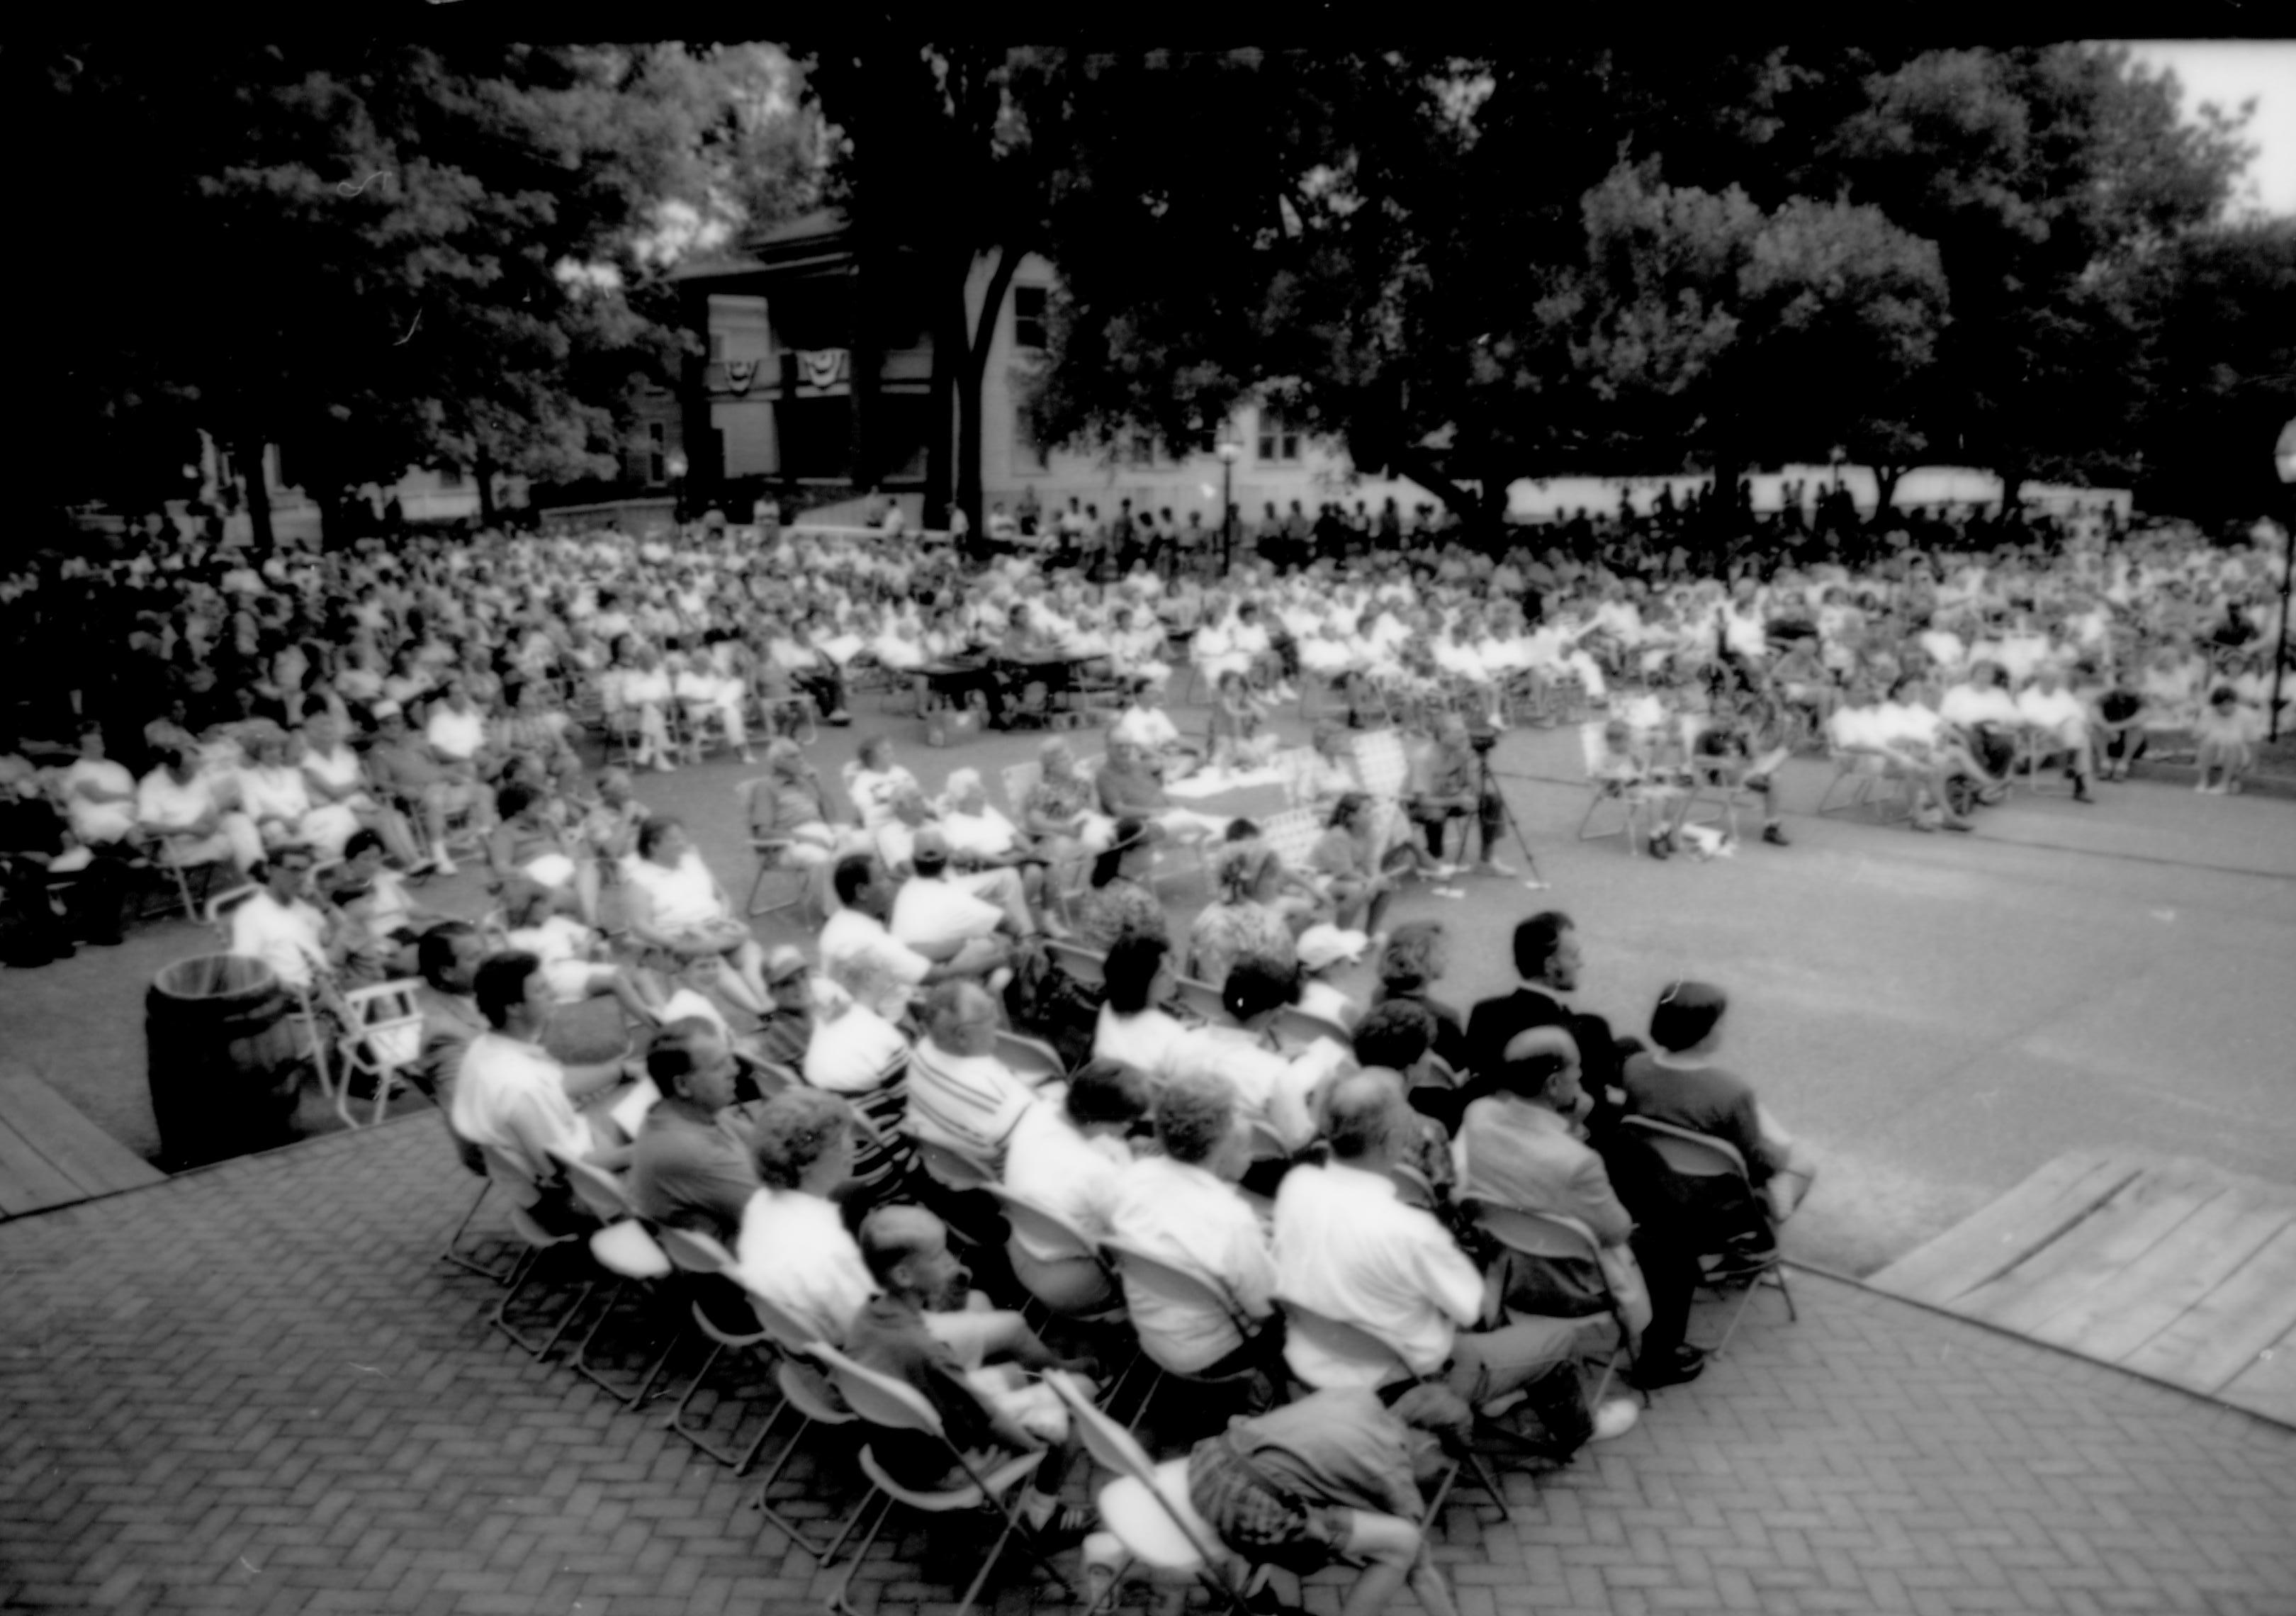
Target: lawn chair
1632	819
382	1038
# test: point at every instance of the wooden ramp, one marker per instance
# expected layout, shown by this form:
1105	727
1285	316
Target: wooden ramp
2168	1267
51	1155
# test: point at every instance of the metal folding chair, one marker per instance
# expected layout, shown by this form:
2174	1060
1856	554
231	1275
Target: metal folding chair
625	1250
1708	1160
891	1405
1538	1238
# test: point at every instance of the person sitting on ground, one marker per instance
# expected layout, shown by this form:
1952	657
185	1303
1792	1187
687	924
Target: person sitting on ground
1337	1475
1066	1159
1182	1208
694	1164
1448	785
1349	1249
512	1099
1520	1145
676	905
2228	734
988	1411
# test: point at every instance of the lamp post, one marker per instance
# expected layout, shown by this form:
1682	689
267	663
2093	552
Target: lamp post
2284	461
1227	449
676	466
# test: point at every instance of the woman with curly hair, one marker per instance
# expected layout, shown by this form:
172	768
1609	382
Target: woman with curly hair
1414	960
1246	920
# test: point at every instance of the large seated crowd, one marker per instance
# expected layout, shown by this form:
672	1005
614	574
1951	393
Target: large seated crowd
1000	1074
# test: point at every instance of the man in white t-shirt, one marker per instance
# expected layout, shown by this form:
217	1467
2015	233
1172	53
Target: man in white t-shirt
279	926
941	916
860	929
511	1097
2062	718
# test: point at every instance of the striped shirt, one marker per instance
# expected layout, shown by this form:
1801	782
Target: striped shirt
967	1104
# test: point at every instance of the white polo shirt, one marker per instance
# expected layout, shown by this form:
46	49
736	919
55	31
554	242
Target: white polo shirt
1347	1247
510	1095
852	935
457	735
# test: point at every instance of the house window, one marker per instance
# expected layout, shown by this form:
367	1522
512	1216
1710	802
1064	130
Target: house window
450	477
1028	317
1279	444
1028	454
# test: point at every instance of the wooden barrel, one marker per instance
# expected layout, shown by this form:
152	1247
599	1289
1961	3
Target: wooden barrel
223	1058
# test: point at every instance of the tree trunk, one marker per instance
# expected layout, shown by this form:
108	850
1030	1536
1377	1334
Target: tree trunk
485	472
951	356
254	479
2012	488
970	430
1886	478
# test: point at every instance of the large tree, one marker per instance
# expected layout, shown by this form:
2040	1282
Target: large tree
405	255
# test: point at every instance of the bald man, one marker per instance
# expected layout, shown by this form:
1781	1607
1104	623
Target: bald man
1523	1145
989	1413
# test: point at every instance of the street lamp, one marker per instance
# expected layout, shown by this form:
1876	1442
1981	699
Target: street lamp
676	466
2284	461
1227	449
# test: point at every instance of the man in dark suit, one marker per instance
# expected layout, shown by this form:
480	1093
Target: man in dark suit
1546	958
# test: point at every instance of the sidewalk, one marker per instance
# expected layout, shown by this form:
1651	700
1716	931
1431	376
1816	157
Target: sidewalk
255	1388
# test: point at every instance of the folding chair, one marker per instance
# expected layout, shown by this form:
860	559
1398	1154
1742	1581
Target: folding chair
1079	961
693	1253
539	1242
1032	1060
1295	1026
800	1376
1077	1282
383	1037
624	1249
952	1168
502	1275
1202	1000
2035	753
891	1405
1712	1162
773	856
1353	1343
1873	783
1544	1240
1631	821
1146	1506
1143	1274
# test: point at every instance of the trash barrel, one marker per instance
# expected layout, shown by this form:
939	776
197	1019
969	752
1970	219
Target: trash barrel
223	1058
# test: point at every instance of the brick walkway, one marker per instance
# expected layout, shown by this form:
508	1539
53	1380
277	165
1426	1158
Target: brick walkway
257	1389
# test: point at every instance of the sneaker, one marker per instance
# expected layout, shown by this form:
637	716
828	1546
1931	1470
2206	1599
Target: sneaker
1662	846
1615	1418
1954	822
1492	867
1776	836
1685	1362
663	766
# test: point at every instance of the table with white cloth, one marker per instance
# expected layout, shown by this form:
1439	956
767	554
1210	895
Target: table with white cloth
1246	793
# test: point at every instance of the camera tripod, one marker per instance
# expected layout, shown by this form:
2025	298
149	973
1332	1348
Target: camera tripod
1487	788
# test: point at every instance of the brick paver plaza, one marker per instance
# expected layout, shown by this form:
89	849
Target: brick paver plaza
257	1388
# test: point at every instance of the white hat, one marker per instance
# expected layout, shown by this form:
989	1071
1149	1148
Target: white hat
1325	945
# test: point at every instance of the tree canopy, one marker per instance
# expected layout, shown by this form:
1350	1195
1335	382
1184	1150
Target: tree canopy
1475	269
376	258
